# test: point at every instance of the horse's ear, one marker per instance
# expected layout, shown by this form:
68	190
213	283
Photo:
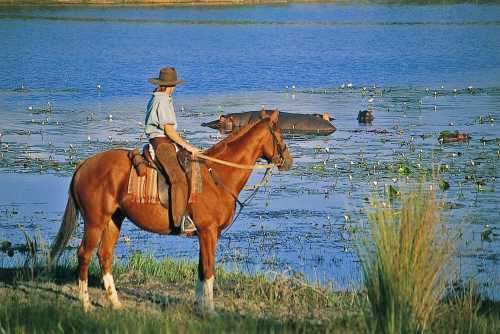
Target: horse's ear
263	113
274	117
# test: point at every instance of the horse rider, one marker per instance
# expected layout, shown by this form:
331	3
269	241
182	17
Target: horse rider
160	128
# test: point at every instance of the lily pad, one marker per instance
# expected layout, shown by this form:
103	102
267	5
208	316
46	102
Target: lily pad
486	234
444	185
404	170
5	246
451	206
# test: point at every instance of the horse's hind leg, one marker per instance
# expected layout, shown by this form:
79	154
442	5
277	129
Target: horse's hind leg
105	254
91	236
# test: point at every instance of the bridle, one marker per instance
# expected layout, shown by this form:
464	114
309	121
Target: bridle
278	160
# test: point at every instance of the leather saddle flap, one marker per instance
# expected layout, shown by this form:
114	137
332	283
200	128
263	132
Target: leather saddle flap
144	161
163	190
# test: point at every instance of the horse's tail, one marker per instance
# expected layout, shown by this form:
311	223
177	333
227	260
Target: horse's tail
68	226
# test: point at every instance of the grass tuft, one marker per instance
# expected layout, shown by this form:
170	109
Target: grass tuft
404	267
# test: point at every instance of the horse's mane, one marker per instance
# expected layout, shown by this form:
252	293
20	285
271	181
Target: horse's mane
221	146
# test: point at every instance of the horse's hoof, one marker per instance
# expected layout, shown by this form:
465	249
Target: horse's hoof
117	306
87	307
211	313
205	310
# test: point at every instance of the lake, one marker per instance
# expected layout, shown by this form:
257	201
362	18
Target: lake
424	69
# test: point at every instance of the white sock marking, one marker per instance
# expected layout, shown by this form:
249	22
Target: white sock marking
84	294
109	286
205	294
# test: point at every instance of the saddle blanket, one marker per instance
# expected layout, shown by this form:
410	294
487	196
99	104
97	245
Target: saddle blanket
144	189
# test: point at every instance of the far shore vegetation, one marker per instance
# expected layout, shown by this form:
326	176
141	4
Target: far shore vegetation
405	262
222	2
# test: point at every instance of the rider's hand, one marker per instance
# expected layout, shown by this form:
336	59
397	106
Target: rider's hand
173	135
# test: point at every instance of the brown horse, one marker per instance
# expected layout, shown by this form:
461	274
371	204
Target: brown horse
99	191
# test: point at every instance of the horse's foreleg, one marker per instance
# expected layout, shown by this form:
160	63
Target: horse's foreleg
105	255
90	239
206	270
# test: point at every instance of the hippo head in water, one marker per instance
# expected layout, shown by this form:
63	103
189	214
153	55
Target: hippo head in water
365	116
227	123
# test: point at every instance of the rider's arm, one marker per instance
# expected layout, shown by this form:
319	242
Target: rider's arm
172	134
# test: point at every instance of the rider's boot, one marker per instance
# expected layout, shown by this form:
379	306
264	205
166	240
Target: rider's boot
167	157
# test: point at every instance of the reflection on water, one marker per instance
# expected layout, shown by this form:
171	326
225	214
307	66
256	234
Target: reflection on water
415	74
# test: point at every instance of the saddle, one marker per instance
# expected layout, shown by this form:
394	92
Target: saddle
144	163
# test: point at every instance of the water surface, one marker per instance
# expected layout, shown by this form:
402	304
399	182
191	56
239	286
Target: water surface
408	59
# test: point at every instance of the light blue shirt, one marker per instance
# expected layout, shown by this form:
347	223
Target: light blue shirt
160	111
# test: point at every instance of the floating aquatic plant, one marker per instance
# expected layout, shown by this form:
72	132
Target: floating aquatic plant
444	185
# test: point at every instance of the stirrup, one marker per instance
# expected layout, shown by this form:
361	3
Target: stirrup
187	225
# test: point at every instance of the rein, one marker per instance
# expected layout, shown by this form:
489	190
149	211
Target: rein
232	164
243	166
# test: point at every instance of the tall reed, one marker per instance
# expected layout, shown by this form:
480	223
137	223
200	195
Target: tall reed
405	263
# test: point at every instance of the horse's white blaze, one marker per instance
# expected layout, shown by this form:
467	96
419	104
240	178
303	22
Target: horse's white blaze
84	294
109	286
205	294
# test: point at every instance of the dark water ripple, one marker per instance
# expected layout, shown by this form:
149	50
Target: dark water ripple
247	22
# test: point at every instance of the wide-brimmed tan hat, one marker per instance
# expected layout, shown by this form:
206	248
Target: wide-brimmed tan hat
167	77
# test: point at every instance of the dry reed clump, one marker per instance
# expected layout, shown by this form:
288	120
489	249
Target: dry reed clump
405	265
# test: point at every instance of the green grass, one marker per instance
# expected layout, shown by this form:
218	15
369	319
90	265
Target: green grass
159	298
58	315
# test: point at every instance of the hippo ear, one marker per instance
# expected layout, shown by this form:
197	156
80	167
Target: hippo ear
222	119
274	117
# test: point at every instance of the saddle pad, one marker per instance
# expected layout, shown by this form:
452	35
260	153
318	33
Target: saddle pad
144	189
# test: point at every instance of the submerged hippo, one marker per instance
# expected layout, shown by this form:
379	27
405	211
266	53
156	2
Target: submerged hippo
287	122
450	137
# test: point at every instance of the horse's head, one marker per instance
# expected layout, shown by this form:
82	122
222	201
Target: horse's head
275	149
